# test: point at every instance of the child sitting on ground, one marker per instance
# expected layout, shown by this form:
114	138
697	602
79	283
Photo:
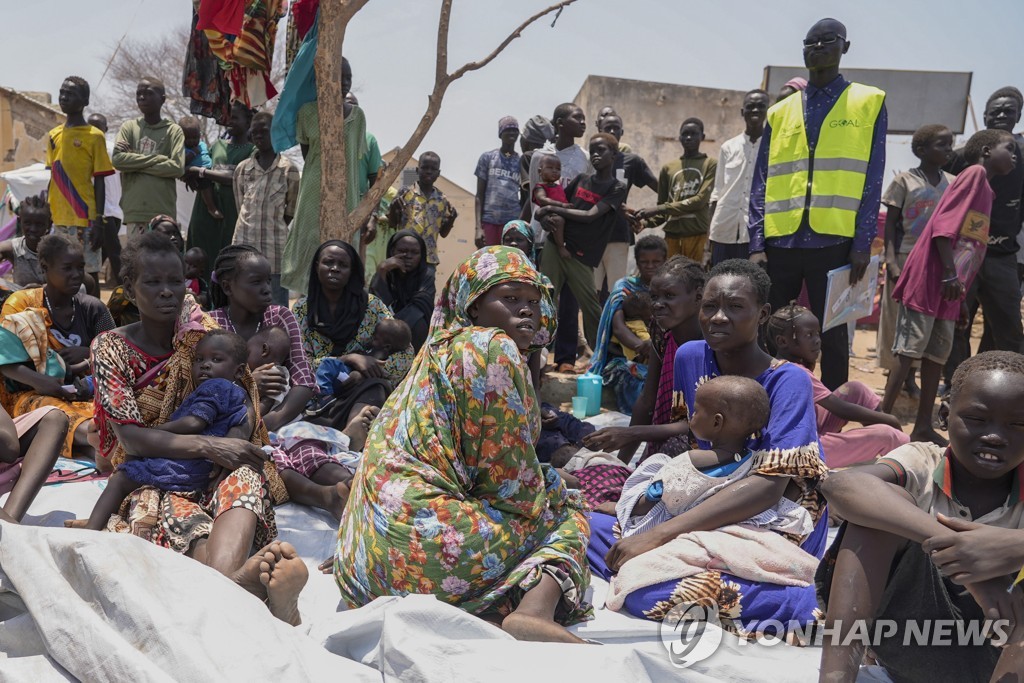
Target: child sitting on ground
636	309
933	536
796	336
940	270
549	192
390	336
727	411
218	406
195	266
198	155
34	224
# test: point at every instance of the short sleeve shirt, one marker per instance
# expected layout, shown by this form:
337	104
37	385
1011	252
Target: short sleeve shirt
915	198
75	155
925	471
501	198
425	215
587	241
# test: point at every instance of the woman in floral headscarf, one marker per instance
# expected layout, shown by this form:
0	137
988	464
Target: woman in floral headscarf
450	499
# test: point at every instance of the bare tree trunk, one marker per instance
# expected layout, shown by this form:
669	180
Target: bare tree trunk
335	221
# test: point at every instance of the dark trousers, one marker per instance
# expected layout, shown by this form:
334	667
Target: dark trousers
111	248
720	251
568	332
789	270
997	290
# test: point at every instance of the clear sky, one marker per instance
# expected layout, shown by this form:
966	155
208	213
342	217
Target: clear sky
391	47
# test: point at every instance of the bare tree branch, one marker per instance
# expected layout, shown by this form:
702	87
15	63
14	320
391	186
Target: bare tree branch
354	220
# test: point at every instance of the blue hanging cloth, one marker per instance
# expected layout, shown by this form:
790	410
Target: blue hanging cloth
299	88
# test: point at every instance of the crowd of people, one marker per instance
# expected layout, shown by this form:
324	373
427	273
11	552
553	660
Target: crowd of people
413	417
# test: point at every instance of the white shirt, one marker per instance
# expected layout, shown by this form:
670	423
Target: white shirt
112	198
732	190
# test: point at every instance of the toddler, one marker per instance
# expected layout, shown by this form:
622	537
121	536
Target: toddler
195	266
727	411
219	406
636	309
197	154
390	336
549	192
270	346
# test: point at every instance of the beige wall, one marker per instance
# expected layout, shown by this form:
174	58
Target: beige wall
455	248
651	114
24	124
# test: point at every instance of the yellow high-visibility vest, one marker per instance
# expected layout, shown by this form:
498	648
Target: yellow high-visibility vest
835	172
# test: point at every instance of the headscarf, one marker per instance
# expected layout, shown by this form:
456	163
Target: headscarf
403	287
524	229
341	326
483	270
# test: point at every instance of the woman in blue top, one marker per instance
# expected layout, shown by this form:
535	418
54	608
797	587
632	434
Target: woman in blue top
787	462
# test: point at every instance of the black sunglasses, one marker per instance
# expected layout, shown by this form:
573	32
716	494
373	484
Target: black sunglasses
828	40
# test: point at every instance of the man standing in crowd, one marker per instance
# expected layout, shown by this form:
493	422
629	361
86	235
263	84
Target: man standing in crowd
632	171
997	285
111	242
497	186
730	200
817	186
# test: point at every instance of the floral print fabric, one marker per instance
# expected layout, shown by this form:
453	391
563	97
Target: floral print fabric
450	498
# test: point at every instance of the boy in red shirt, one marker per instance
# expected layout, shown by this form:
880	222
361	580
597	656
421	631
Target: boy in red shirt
939	271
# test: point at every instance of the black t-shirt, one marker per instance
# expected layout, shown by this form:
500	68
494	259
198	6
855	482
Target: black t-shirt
1006	207
587	241
636	172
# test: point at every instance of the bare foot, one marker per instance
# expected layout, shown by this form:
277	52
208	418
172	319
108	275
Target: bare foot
248	577
929	434
335	498
76	523
284	579
538	629
358	427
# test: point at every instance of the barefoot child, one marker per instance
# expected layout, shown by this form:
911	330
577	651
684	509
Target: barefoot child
939	271
727	411
197	155
549	192
933	536
219	406
796	336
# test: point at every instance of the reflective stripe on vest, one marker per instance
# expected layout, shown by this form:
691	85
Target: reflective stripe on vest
837	172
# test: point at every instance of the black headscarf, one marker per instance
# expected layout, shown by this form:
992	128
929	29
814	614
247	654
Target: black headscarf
399	289
341	326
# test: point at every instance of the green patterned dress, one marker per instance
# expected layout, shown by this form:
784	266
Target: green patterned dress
450	498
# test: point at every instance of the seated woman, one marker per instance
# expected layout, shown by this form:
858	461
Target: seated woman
786	462
627	376
450	498
337	319
45	344
657	418
142	374
29	445
405	282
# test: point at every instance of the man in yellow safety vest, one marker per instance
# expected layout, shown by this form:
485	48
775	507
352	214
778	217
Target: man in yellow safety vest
817	186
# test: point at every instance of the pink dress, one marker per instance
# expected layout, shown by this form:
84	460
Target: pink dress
857	445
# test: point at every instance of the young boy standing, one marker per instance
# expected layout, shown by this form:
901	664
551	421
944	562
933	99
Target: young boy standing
266	187
910	200
150	154
76	154
423	208
595	198
940	269
728	236
497	185
934	536
684	195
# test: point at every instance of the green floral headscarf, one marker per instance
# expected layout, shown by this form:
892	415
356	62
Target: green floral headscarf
485	269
